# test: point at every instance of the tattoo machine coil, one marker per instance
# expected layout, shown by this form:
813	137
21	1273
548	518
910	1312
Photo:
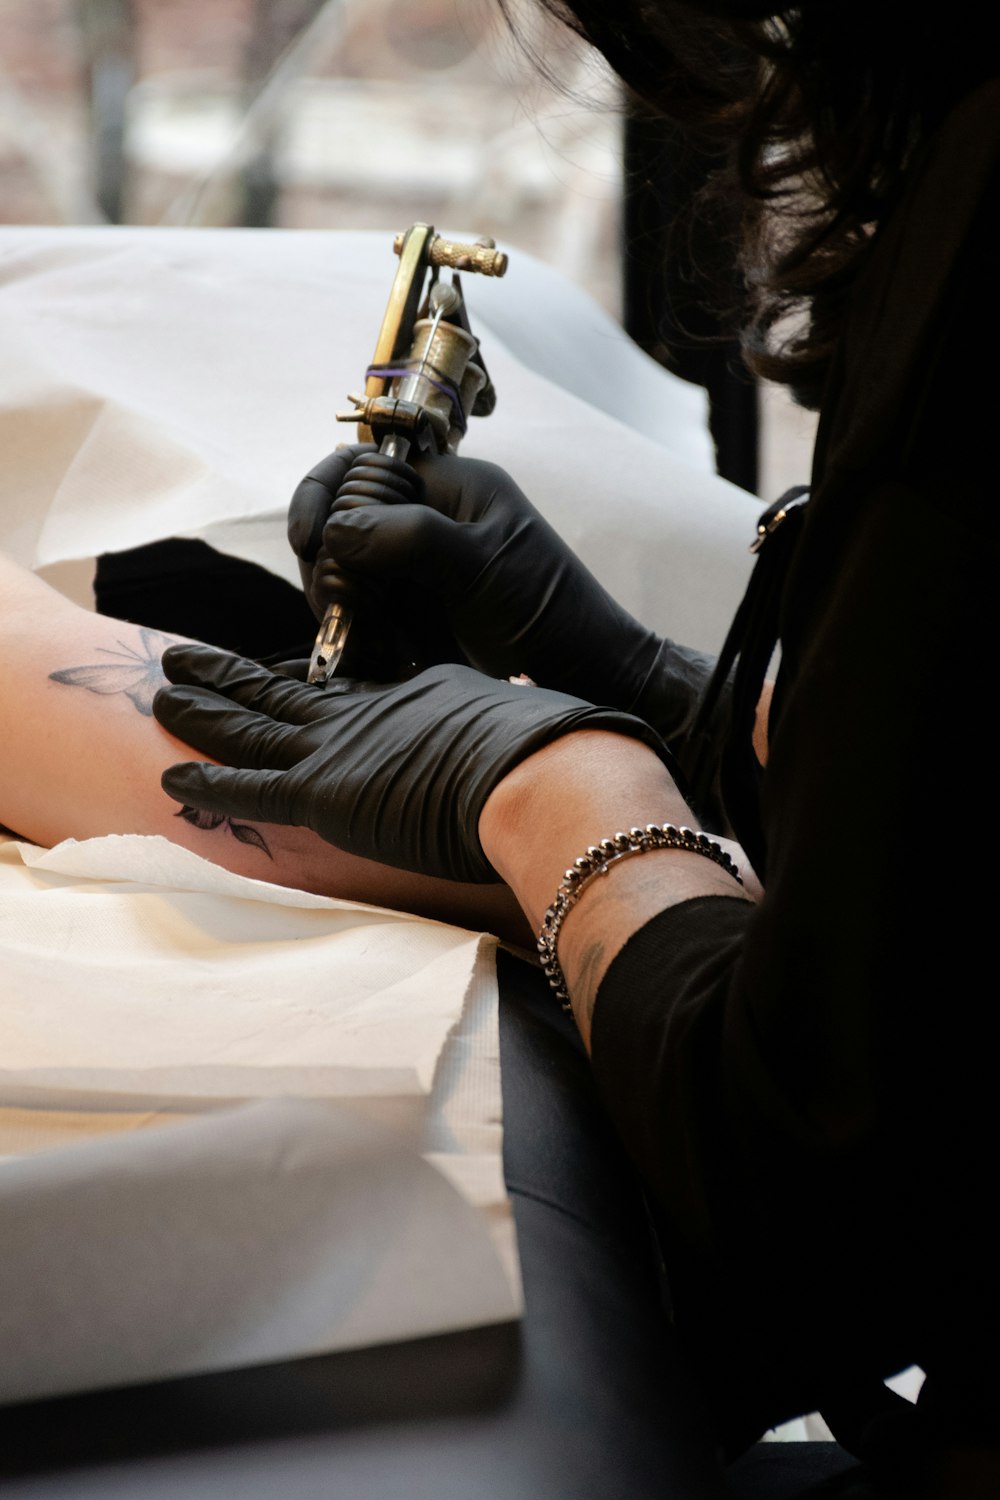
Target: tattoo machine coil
426	378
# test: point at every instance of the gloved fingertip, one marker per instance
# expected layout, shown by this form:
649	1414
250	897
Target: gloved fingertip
161	703
191	662
179	783
173	660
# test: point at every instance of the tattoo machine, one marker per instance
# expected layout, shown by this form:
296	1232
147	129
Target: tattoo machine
426	378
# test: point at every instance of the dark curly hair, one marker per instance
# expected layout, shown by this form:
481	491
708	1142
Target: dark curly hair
819	108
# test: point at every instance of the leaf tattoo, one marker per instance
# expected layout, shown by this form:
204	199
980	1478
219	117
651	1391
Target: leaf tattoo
243	833
135	674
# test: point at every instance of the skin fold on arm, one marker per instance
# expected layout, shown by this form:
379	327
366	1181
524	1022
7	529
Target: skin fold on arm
83	755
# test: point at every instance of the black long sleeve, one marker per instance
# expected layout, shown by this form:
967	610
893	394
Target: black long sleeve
808	1086
669	702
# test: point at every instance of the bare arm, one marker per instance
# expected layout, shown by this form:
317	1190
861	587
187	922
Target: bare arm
546	812
82	756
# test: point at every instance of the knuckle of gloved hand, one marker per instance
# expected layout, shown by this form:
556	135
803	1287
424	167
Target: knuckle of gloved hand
314	496
329	580
474	489
492	474
307	513
233	679
257	690
361	490
387	464
385	483
412	542
330	471
271	798
483	475
501	495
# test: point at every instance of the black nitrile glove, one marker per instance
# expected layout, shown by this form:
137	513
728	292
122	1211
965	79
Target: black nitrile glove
397	627
515	596
397	773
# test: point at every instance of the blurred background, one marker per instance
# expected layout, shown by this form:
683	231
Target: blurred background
361	114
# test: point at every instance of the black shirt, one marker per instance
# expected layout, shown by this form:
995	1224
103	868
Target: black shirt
808	1086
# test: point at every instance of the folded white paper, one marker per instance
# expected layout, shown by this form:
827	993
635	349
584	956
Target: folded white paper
190	982
141	1237
253	1235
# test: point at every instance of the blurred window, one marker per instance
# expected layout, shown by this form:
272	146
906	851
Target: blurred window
312	113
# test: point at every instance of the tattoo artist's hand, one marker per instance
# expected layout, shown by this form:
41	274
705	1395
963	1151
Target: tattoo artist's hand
516	597
396	773
398	627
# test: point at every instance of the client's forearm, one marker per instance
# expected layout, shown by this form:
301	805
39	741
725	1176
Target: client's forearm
82	756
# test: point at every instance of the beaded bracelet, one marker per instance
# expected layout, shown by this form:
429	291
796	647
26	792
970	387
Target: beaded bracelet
597	861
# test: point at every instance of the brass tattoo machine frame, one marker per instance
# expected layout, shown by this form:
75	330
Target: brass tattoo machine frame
426	378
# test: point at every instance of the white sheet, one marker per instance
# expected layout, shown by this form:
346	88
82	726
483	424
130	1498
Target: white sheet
160	382
372	1209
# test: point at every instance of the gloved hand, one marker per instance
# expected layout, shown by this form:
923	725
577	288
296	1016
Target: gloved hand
398	628
398	773
516	597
